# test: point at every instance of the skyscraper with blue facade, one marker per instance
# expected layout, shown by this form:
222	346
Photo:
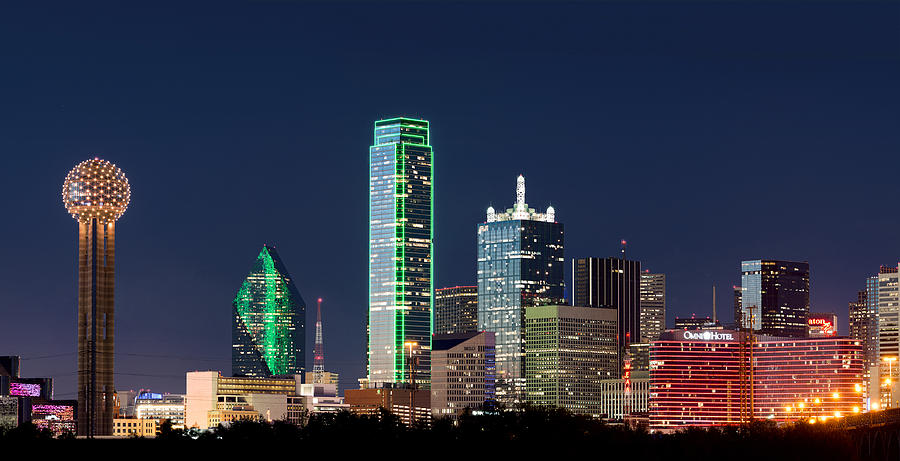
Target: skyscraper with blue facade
400	253
520	264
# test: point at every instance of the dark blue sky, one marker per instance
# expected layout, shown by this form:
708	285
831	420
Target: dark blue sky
702	133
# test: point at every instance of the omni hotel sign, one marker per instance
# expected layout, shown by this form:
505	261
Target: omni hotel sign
707	335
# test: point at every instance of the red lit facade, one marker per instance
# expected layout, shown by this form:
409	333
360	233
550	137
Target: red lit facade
696	378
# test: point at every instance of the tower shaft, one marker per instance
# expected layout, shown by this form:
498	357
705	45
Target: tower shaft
319	350
96	326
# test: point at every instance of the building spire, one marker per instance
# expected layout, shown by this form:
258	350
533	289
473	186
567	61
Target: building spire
520	192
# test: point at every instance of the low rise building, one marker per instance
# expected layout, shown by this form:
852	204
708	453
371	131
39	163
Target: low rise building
134	427
462	373
412	406
212	398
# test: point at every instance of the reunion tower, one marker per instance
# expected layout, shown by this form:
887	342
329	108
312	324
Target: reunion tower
96	193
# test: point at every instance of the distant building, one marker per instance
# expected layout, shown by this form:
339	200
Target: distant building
160	407
212	398
695	323
315	398
30	400
613	283
325	377
738	315
412	406
639	355
622	397
568	351
268	323
702	378
884	295
462	373
134	427
400	251
822	324
456	310
863	323
653	306
9	412
775	297
520	264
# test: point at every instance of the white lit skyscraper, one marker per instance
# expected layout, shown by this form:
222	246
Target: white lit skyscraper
520	264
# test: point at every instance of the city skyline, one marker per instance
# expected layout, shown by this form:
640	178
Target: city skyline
292	172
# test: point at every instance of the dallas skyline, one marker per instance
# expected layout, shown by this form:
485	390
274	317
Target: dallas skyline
686	132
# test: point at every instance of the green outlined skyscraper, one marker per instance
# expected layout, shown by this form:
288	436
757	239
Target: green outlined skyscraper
269	321
400	253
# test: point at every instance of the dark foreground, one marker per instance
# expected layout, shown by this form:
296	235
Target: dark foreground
531	431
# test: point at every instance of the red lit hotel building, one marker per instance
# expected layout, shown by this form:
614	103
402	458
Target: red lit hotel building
696	376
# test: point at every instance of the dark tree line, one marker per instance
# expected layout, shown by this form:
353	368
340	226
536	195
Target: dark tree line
527	430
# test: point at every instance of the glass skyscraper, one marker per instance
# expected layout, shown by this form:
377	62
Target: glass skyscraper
775	297
612	283
400	252
520	264
269	321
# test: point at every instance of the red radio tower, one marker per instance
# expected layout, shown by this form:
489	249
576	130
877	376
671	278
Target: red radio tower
319	349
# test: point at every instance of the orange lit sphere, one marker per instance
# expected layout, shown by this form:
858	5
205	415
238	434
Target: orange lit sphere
96	189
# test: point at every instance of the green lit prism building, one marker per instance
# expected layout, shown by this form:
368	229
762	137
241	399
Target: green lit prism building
400	253
269	316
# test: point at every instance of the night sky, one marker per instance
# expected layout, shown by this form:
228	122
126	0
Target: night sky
702	133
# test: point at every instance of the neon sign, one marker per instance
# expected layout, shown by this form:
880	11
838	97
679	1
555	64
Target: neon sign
25	389
708	336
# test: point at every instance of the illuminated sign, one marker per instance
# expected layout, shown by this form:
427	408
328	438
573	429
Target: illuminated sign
25	390
822	322
708	335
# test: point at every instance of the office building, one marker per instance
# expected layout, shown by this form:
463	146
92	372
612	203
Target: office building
400	252
625	397
613	283
325	377
412	406
212	398
160	407
822	324
863	321
268	321
30	400
134	427
775	297
568	351
315	398
738	315
696	323
462	373
653	306
638	356
456	310
720	377
96	193
520	264
884	295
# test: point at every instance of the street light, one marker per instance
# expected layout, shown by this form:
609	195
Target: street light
412	376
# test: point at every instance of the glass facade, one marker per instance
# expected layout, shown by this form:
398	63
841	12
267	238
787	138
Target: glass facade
400	252
456	310
269	317
520	264
613	283
653	306
775	297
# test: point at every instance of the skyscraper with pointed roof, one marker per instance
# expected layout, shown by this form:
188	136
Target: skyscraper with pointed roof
268	322
520	264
